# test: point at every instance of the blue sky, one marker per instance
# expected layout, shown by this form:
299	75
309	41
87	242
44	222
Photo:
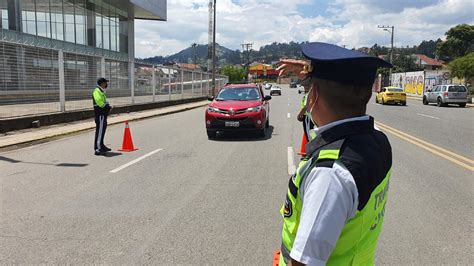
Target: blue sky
344	22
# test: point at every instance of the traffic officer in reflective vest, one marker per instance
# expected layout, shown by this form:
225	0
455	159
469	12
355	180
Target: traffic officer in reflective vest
101	111
304	115
335	203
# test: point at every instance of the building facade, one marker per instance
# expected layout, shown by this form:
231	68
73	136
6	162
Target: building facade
54	50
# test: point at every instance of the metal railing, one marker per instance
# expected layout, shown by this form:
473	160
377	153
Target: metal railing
38	80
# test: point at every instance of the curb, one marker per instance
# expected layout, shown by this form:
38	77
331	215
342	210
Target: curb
87	125
470	105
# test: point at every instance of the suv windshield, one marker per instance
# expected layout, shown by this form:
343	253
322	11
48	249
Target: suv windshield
457	89
238	94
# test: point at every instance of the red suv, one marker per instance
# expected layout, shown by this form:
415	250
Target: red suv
238	107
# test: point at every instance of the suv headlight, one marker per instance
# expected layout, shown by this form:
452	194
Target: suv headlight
212	110
254	109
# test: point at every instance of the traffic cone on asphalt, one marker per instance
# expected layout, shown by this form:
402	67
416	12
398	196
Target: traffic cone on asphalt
127	144
276	258
303	146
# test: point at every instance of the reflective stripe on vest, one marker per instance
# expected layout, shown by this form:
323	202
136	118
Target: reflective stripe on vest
358	240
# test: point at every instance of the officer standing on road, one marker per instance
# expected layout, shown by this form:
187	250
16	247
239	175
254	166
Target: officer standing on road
101	111
303	115
335	204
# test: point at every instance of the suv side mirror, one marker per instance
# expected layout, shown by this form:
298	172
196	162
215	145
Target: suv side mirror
267	98
210	98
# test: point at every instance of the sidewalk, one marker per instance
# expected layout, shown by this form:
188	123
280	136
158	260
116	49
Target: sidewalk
30	135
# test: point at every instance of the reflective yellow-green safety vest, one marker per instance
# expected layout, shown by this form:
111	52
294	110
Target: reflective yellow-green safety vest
358	240
99	98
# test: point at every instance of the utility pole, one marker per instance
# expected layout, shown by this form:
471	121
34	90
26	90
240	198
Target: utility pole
247	47
214	50
194	45
209	37
391	30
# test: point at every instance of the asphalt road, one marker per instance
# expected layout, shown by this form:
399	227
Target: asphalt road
196	201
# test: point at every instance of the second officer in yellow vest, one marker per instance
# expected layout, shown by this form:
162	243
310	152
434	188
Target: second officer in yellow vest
101	111
335	203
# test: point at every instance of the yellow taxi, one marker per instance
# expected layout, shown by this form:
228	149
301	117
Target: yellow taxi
393	95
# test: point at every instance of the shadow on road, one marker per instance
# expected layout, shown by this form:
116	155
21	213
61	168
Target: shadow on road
452	105
10	160
112	154
243	136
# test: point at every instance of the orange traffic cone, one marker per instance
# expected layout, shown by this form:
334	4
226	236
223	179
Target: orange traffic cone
276	258
127	144
303	146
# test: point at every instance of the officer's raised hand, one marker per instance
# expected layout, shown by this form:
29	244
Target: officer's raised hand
300	68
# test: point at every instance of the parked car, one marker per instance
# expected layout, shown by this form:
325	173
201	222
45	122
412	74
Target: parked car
275	90
293	84
238	107
446	94
300	89
392	95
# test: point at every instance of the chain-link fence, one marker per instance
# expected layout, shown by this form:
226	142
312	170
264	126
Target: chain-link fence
37	80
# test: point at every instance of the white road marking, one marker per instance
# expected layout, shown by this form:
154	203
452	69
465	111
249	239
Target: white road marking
429	116
291	164
134	161
289	115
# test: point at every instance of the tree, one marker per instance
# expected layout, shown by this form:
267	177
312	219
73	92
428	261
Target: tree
459	42
428	48
463	67
234	73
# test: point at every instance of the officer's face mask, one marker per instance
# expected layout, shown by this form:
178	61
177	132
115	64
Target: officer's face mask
105	86
311	102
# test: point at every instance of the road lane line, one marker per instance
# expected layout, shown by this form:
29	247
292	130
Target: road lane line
134	161
429	116
428	149
291	164
289	115
467	160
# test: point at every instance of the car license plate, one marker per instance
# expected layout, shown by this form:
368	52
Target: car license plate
232	124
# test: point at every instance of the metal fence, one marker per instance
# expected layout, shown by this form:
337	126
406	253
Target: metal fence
37	80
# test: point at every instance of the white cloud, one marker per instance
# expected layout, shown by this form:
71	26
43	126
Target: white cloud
345	22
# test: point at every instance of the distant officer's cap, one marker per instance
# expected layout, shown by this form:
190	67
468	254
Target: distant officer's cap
339	64
102	80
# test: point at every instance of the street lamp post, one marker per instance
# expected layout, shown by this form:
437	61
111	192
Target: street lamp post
391	30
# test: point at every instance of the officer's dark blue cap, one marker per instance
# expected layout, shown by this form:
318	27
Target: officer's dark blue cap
102	80
339	64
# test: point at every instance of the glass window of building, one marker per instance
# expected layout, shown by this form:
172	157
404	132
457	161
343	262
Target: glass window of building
57	26
80	21
4	14
43	14
106	32
98	32
123	34
28	16
69	27
113	34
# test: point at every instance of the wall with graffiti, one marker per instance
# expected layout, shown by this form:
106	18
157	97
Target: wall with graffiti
436	77
415	83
